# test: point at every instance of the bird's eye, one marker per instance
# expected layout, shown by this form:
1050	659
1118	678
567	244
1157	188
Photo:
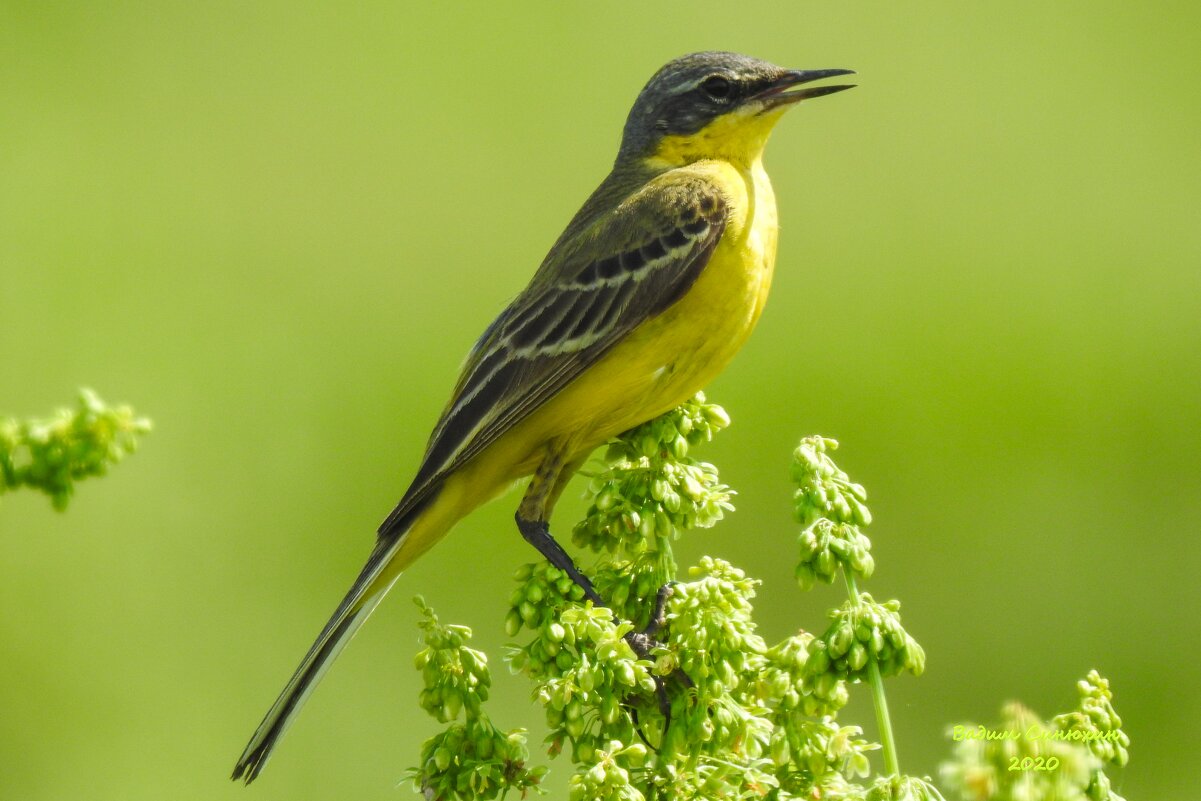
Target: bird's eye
717	87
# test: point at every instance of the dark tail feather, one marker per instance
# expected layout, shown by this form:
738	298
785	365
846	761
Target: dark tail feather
350	615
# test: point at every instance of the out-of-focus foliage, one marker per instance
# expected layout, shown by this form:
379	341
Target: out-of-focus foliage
1023	758
472	758
52	454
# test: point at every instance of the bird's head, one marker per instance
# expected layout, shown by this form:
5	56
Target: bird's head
714	105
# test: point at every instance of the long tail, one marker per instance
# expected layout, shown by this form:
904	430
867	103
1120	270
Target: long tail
374	581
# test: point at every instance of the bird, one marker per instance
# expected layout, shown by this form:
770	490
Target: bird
644	298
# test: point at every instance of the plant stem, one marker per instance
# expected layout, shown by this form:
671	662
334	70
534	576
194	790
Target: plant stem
883	721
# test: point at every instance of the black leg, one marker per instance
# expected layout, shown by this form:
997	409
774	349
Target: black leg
537	533
532	515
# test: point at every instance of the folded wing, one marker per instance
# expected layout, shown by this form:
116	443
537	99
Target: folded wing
626	268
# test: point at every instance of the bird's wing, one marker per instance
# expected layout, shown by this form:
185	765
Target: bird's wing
592	291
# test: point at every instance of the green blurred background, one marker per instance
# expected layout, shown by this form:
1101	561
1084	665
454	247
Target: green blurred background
276	229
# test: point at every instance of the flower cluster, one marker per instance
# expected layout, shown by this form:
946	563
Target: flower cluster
544	593
51	455
860	632
832	509
822	754
699	702
712	636
825	546
1023	758
786	681
590	696
1098	720
652	489
823	490
602	702
456	677
470	759
586	676
711	640
608	775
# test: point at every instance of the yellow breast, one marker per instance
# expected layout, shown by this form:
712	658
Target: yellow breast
711	323
703	331
672	356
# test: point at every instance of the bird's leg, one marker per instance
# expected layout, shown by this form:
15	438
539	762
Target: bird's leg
537	533
533	516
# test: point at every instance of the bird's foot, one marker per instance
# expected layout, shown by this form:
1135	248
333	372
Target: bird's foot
643	642
537	533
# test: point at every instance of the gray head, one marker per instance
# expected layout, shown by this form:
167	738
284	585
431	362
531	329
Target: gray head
692	91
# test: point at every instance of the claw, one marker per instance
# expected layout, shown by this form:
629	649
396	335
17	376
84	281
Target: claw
643	642
659	615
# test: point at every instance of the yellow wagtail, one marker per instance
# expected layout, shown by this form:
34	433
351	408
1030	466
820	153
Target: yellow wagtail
655	284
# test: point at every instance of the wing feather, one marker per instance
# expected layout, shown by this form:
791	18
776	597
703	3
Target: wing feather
631	265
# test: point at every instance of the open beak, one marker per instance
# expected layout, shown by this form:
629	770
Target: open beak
777	94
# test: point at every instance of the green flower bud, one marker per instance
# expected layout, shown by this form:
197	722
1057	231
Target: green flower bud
857	656
825	564
635	754
841	641
452	705
840	548
646	525
663	527
715	415
575	728
610	710
860	512
824	684
679	447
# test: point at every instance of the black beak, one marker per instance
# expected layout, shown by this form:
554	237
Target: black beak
776	94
